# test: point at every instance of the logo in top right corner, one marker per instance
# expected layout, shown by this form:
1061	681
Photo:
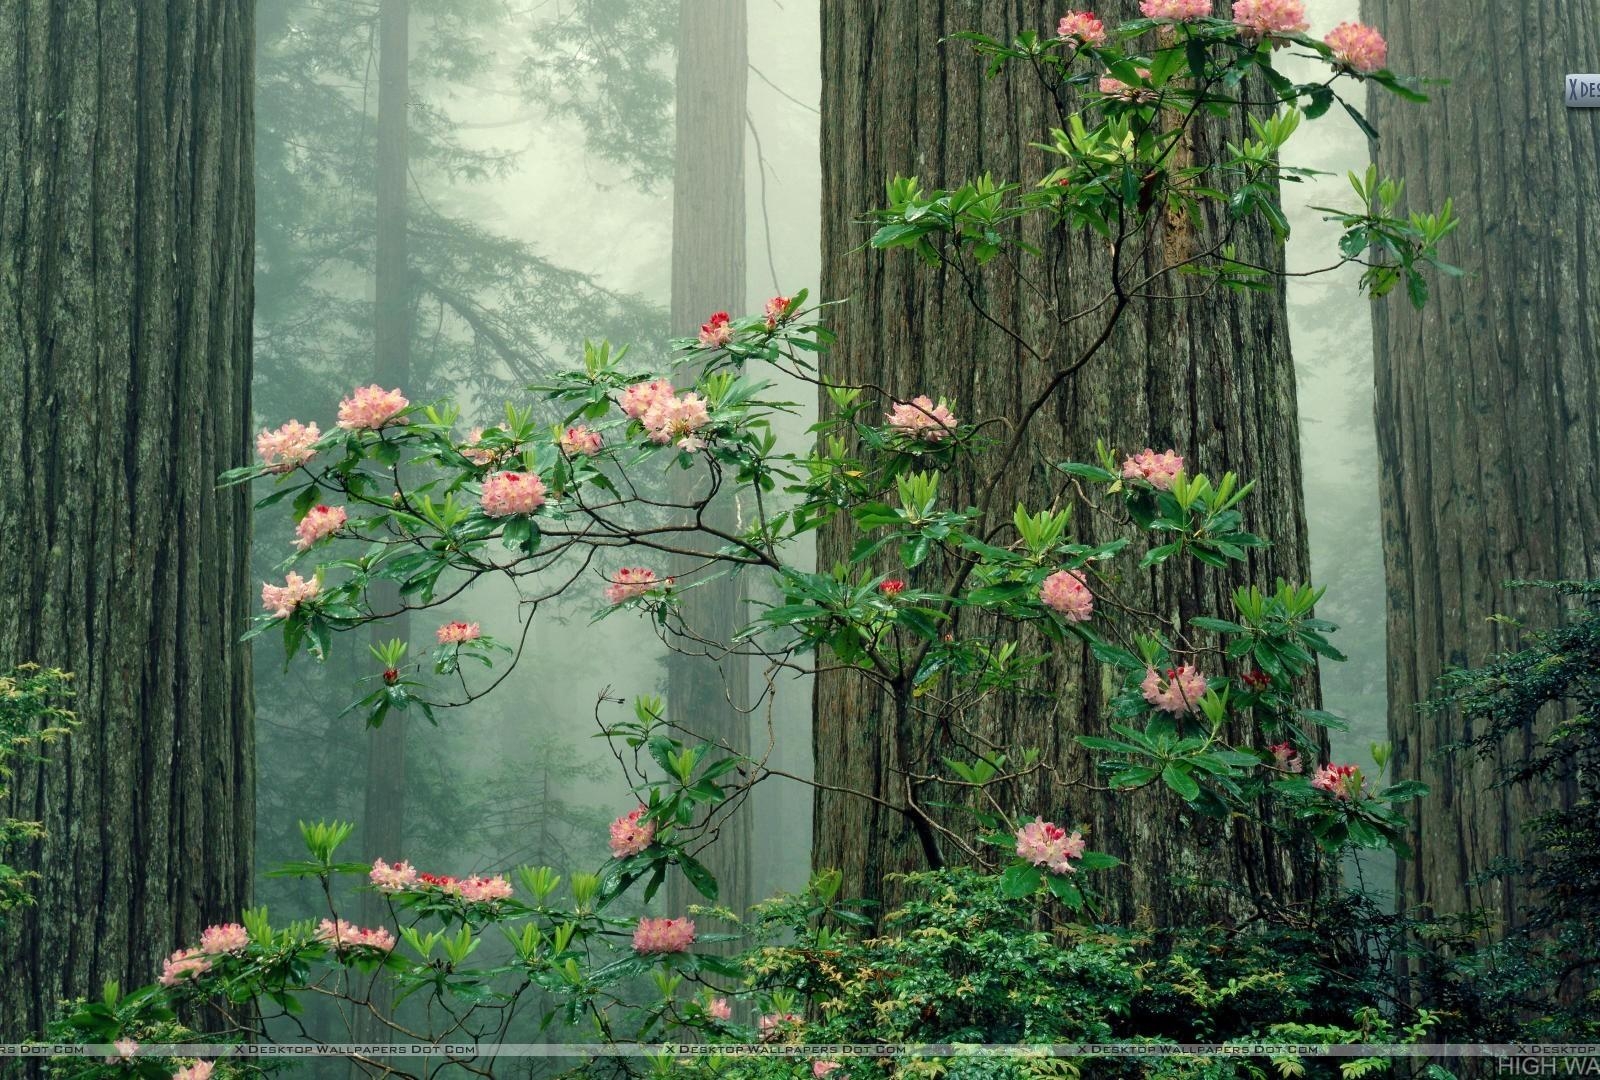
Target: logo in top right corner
1583	91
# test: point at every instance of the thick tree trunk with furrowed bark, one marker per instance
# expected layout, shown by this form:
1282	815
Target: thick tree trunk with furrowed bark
126	248
1488	401
1211	377
708	691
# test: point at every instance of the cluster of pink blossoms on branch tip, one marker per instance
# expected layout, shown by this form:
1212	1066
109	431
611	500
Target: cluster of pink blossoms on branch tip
478	455
281	600
660	936
1066	593
289	447
1159	470
892	587
1257	19
1082	26
1286	757
392	879
777	310
773	1025
631	582
716	332
458	633
1340	781
320	522
1175	9
343	935
508	493
719	1009
920	418
370	408
826	1068
666	415
183	964
200	1070
1358	47
224	938
1048	845
630	835
1112	86
581	440
474	890
1178	692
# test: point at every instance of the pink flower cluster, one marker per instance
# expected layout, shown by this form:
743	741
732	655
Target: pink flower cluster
392	879
892	587
630	582
1340	781
920	418
344	935
1046	844
224	938
715	331
629	835
183	964
660	936
507	493
666	415
1175	9
1257	19
773	1024
777	311
458	633
1112	86
1084	27
478	455
1178	693
200	1070
826	1068
1286	757
581	440
1358	47
371	408
320	522
719	1009
1159	470
289	447
281	600
474	890
1066	593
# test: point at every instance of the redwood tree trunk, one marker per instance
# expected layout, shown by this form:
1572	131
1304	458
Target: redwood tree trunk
126	248
1212	378
1488	401
706	690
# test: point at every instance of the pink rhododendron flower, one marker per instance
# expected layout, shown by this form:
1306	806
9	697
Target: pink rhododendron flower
719	1009
826	1068
126	1048
344	935
715	331
1340	781
1175	9
1358	46
675	418
772	1024
1257	19
484	890
630	582
319	523
457	633
1157	469
392	879
1084	26
370	408
479	455
637	399
1115	87
660	936
777	311
921	419
1066	593
581	440
200	1070
1046	844
1178	692
281	600
892	588
507	493
289	447
630	835
1286	757
224	938
183	964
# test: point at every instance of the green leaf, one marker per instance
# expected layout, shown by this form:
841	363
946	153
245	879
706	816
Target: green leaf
698	876
1179	780
1020	880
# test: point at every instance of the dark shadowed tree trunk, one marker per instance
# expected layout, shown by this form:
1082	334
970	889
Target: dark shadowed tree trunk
1488	402
708	691
1212	378
126	206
